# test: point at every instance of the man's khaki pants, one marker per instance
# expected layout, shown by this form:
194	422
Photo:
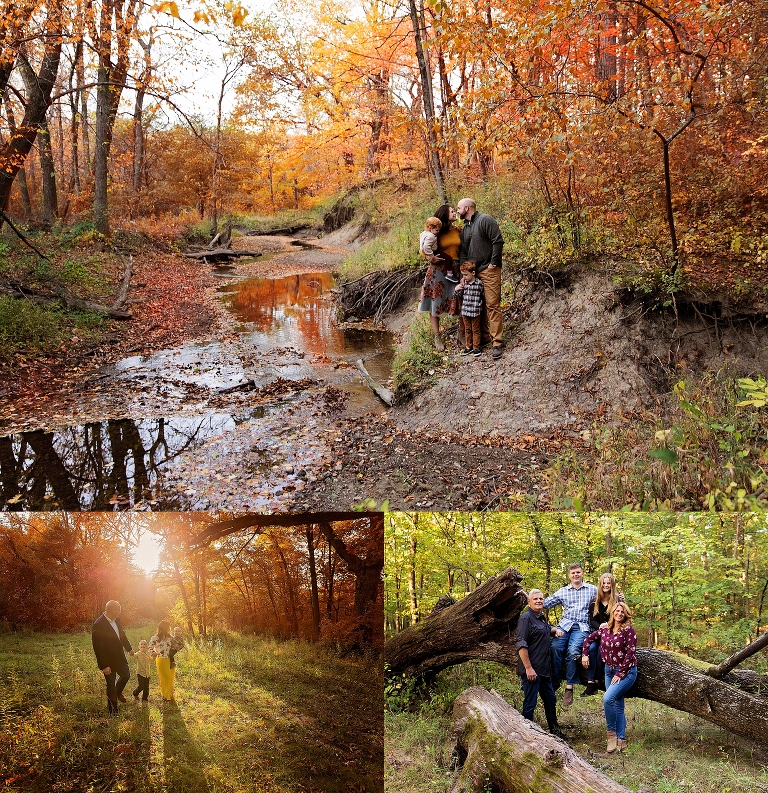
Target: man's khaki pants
490	319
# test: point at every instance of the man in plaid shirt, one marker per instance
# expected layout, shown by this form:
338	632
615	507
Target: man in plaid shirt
575	599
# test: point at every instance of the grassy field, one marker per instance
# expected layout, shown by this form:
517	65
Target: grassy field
250	715
669	751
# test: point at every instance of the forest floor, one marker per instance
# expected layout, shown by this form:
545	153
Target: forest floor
249	715
668	751
249	363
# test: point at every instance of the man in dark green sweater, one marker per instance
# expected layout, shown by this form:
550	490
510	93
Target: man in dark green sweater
482	243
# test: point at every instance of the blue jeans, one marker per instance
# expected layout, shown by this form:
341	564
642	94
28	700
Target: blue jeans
613	700
596	669
531	690
568	645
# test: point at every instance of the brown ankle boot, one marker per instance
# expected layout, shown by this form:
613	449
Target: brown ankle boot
621	744
612	741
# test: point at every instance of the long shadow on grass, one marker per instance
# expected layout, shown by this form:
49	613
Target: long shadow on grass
184	760
322	730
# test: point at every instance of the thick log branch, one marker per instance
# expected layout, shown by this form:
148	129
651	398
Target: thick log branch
742	655
505	752
481	626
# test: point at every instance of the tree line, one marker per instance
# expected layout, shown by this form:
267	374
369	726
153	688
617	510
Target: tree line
697	582
633	118
304	580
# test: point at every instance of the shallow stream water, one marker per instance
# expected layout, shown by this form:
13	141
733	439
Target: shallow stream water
171	450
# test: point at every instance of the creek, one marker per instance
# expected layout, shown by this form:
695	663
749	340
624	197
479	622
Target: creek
238	422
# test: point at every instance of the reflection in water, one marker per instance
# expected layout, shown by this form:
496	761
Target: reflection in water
101	465
288	312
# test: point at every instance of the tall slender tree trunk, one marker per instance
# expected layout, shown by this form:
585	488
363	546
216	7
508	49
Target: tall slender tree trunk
313	584
84	120
428	102
50	207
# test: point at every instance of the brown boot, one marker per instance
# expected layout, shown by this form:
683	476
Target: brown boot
621	744
612	741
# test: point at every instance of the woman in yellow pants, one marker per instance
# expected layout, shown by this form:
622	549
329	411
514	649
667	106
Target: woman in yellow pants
162	646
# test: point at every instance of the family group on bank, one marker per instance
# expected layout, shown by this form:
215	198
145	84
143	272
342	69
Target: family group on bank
595	630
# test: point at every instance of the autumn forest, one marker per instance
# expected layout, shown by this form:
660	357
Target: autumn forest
634	118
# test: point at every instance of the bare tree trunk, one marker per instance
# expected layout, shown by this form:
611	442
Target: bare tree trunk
428	102
50	207
138	115
315	598
84	120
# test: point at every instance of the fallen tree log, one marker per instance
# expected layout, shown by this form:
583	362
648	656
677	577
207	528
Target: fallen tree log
483	626
384	394
62	295
502	751
218	254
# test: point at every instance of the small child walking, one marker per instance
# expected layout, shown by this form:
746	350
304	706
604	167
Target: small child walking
143	661
473	295
428	246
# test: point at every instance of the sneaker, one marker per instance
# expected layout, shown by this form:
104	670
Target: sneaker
466	351
477	353
590	690
496	353
568	697
452	278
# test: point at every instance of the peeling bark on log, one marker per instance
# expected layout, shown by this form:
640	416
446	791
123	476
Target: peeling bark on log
510	754
483	626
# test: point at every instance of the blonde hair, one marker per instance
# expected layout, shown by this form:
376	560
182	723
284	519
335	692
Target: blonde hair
627	616
433	223
612	599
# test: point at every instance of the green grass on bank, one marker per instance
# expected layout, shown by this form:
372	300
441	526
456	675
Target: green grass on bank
77	263
535	235
669	751
251	714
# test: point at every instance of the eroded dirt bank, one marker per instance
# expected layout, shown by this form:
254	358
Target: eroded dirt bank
580	355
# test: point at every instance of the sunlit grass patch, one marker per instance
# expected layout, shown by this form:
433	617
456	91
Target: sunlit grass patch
250	714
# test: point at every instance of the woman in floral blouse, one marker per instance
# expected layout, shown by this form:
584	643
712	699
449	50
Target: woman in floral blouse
160	647
618	645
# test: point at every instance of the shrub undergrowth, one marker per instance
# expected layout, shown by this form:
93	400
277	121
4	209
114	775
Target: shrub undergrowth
708	451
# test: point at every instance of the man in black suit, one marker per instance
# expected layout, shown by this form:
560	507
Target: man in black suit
109	639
